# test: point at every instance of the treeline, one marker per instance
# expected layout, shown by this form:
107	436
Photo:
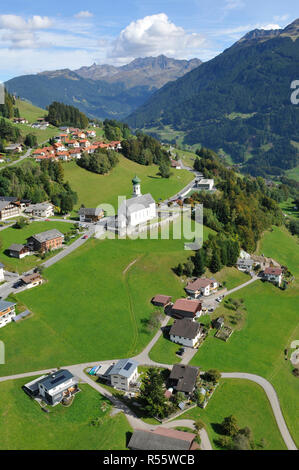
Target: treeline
115	130
8	109
60	114
38	183
8	133
242	208
144	150
101	161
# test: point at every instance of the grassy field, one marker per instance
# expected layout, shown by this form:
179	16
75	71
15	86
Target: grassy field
251	408
90	309
29	111
229	277
13	235
94	189
64	428
293	174
288	208
272	323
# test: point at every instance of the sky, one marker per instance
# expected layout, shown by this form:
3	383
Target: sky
36	36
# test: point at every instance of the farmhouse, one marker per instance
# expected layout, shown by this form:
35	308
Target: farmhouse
7	312
124	374
18	251
44	209
245	264
206	184
184	308
186	332
273	275
90	215
183	378
162	439
46	241
54	388
20	121
32	280
201	286
161	300
137	210
9	207
14	148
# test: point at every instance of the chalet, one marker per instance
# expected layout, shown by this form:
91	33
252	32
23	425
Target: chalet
20	121
161	300
183	378
32	280
245	264
46	241
124	374
14	148
90	215
9	207
115	145
186	332
55	388
201	286
75	153
91	134
7	312
18	251
205	184
175	164
62	156
184	308
65	129
44	209
273	275
72	143
162	439
84	143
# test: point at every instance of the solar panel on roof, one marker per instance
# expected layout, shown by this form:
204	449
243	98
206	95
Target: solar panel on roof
57	379
128	365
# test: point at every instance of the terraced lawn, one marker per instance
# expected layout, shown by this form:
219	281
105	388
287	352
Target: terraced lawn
12	235
64	428
94	190
249	404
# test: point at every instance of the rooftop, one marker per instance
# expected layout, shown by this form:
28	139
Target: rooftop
200	283
185	376
48	235
186	305
161	439
186	328
4	305
124	367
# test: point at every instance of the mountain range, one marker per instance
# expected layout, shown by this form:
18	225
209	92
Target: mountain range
239	103
102	91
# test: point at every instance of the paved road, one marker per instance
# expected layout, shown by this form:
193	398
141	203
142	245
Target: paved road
19	159
273	399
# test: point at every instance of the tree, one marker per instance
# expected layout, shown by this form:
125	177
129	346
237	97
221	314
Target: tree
199	264
199	424
188	268
164	170
215	264
230	426
152	394
179	269
240	442
213	375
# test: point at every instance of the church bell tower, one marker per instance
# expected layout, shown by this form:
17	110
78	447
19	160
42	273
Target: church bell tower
136	186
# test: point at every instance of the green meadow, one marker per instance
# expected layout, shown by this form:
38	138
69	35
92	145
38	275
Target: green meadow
94	189
27	427
251	408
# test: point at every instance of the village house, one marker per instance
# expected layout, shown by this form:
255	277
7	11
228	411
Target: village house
202	286
205	184
175	164
19	251
32	280
84	143
91	133
184	308
90	215
62	156
162	439
20	121
65	129
9	207
14	148
161	300
183	378
7	312
44	209
75	153
186	332
124	374
245	264
55	388
273	275
46	241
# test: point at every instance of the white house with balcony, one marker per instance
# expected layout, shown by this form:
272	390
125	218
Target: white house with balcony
124	374
186	332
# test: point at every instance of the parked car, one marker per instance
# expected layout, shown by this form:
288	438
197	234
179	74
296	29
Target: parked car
85	236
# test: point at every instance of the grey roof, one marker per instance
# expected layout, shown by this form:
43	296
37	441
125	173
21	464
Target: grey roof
48	235
55	379
185	376
186	328
147	440
136	203
246	262
124	367
5	201
16	247
4	305
90	211
38	207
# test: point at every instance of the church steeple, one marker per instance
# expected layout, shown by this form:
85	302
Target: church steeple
136	186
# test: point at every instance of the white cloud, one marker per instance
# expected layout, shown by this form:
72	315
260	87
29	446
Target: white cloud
15	22
270	26
154	35
84	14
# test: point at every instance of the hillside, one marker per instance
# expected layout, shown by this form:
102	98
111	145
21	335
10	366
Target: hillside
101	91
238	102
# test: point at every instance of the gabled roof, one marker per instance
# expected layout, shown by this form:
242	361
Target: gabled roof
48	235
186	305
200	283
4	305
58	378
273	271
161	439
16	247
185	376
124	367
90	211
186	328
136	204
162	299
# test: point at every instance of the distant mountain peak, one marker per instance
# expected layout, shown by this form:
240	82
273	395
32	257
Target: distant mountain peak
292	31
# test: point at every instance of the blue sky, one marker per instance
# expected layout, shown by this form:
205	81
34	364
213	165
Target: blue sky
37	36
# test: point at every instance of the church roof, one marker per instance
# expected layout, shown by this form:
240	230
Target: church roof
136	203
136	180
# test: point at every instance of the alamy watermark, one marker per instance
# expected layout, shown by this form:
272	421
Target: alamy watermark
2	97
2	353
295	93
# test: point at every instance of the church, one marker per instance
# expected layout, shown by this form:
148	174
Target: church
138	210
